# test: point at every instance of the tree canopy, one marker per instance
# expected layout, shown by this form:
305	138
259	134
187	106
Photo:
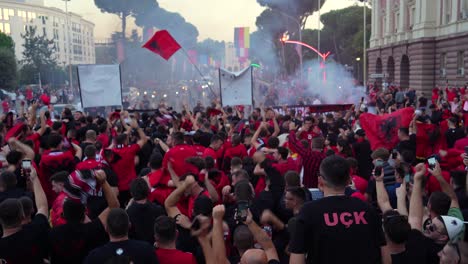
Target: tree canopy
8	71
38	57
7	42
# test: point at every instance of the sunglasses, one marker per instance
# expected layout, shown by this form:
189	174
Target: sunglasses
433	228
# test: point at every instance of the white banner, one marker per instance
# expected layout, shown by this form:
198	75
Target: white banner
236	87
100	85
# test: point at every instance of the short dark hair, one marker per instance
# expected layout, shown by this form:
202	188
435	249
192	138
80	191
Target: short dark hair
14	157
284	152
317	143
178	138
11	213
73	211
396	226
54	140
273	142
292	179
56	125
139	189
243	191
236	161
243	174
381	153
155	161
165	229
203	206
8	179
28	207
61	176
243	238
121	139
90	151
236	140
118	222
440	203
215	138
404	130
335	171
297	192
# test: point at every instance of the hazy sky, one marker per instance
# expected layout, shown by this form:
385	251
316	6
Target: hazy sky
214	18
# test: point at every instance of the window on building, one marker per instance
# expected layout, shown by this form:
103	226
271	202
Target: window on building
412	17
443	64
448	11
1	28
397	21
7	29
461	63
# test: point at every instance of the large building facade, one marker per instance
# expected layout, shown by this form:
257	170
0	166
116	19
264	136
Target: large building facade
420	44
73	36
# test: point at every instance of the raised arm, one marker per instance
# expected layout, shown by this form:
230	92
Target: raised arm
382	195
39	194
211	189
254	140
171	201
276	126
401	199
416	201
109	194
78	151
141	134
28	151
262	238
217	234
445	186
295	142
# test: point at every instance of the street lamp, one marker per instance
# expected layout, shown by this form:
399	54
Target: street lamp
69	46
358	68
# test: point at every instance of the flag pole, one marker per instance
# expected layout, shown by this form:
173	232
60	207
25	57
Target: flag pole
199	71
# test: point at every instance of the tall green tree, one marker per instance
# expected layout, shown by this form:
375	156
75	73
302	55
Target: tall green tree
343	33
7	42
38	58
8	71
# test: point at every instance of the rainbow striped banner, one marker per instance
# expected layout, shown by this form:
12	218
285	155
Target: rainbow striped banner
242	41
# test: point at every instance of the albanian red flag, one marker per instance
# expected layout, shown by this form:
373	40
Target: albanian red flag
382	131
429	140
162	43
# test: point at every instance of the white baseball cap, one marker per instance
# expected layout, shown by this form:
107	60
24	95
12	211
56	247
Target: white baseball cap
454	227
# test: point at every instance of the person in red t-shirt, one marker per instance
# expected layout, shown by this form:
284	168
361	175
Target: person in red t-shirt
165	235
56	160
5	106
237	149
58	181
125	166
215	145
283	164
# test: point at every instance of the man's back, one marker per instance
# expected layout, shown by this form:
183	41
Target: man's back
338	229
71	243
142	217
27	245
136	251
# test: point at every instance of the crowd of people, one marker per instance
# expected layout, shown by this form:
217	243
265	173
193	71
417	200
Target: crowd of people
219	185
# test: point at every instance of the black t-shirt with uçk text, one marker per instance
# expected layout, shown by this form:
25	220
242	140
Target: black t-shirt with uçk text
338	229
132	251
26	245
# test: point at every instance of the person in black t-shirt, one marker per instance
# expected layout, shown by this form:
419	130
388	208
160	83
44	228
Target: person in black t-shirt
120	247
336	228
407	139
141	212
71	242
24	244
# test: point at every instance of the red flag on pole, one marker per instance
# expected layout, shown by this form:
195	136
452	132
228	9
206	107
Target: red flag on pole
163	44
382	131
